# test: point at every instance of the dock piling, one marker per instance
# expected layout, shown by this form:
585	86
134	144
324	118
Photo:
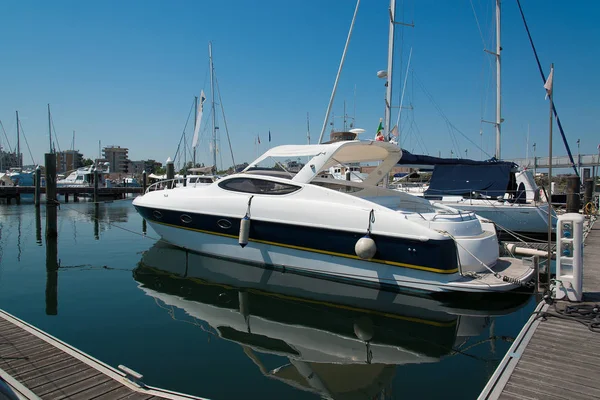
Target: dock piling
588	191
573	194
38	182
51	203
96	176
170	171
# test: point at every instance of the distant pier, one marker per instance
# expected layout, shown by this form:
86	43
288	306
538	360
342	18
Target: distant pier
556	355
10	193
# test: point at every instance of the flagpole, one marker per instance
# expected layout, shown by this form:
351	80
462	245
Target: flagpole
550	83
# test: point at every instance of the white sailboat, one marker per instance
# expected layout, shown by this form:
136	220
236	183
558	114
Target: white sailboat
516	207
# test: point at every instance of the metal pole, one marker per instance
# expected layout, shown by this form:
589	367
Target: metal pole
338	73
534	161
550	95
18	142
195	122
212	92
390	68
50	129
498	81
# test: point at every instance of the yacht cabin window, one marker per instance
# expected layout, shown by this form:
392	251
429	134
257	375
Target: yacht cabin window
258	186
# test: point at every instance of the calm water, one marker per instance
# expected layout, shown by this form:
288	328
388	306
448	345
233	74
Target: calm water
222	330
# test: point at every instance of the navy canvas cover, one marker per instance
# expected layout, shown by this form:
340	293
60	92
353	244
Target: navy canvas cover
491	179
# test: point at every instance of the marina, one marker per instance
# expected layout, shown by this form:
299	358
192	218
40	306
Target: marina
442	255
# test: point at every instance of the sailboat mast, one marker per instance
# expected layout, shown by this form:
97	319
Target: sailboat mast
50	129
212	92
73	155
18	142
390	67
195	122
498	81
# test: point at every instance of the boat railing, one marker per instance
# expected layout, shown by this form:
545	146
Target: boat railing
163	185
174	183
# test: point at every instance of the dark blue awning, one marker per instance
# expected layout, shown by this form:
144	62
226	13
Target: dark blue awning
491	179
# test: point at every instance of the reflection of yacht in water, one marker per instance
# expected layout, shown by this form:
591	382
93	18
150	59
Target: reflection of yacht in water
342	341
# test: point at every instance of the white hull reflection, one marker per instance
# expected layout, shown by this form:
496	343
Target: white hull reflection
340	341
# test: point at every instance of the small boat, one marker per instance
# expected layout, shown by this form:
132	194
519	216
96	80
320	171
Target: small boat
348	231
331	339
84	177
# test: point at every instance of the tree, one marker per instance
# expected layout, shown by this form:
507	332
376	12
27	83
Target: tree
87	162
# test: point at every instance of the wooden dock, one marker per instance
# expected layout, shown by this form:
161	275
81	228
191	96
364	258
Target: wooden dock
36	365
556	356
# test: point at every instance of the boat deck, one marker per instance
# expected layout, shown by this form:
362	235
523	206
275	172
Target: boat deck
556	356
36	365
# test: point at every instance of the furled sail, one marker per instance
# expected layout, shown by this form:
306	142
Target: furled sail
198	119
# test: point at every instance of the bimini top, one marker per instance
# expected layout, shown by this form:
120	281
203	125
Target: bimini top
327	155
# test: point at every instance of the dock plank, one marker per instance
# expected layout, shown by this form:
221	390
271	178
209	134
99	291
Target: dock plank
557	357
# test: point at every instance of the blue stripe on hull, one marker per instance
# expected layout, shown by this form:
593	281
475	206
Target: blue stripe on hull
439	256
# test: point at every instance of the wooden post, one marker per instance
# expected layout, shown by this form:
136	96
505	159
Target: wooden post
51	203
51	275
170	171
144	226
96	176
573	194
38	183
144	182
18	198
75	197
66	197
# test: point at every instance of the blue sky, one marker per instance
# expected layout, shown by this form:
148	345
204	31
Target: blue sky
126	72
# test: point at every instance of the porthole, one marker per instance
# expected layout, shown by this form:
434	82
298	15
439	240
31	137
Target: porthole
224	224
157	214
186	219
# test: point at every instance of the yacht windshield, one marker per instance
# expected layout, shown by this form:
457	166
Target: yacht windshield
257	186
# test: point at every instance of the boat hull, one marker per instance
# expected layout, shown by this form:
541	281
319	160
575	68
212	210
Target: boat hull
516	218
335	268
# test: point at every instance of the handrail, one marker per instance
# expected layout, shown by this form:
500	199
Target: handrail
162	185
171	184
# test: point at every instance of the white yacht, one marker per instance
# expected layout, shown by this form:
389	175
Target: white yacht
84	177
348	231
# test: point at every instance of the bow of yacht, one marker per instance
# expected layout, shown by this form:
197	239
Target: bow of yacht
348	231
